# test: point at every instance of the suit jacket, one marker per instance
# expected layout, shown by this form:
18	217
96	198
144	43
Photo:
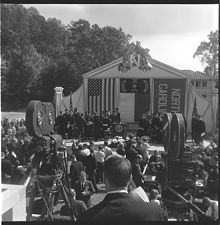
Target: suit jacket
122	207
137	175
75	170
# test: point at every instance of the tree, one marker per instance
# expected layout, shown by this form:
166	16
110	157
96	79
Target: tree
208	52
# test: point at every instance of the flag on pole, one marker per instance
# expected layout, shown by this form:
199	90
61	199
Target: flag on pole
195	111
71	103
102	95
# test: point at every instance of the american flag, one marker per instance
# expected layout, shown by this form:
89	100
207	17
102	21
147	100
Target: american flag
101	95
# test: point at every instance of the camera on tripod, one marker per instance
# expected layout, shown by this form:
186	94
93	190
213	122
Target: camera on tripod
40	120
49	159
180	167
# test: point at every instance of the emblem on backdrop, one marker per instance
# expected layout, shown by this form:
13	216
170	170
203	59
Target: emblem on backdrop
135	60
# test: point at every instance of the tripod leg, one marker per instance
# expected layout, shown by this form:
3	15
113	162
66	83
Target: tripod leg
68	202
31	202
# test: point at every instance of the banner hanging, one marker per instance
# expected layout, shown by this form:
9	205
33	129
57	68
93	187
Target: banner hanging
169	95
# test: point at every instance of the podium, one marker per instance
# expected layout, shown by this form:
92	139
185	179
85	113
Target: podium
119	129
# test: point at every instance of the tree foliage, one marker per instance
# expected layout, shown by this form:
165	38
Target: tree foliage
208	52
39	54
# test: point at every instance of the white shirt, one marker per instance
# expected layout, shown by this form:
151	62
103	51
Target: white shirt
117	191
212	210
85	152
107	151
99	156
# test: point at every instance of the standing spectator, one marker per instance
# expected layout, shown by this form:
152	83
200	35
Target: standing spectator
90	164
107	150
137	175
75	170
141	151
146	146
193	127
156	128
200	130
100	157
84	189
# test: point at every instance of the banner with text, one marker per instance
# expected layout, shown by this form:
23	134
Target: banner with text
169	95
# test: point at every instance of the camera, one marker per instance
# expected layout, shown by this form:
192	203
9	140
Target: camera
180	166
48	147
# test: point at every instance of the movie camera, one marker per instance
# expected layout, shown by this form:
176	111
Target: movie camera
180	168
179	159
50	159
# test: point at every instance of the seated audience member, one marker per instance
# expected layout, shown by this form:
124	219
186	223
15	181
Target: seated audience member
212	210
79	206
118	205
84	189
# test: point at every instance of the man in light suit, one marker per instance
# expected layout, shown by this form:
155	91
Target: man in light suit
84	189
118	205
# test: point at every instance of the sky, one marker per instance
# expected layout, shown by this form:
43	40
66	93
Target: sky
172	32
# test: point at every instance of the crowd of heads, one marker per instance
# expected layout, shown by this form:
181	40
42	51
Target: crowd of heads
115	167
14	147
207	170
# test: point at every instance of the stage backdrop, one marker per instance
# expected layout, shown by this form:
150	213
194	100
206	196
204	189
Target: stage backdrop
134	98
169	95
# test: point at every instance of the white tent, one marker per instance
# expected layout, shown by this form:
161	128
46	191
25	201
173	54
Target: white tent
106	93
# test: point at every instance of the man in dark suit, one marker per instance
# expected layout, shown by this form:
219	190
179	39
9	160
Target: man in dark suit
118	205
75	169
84	189
137	175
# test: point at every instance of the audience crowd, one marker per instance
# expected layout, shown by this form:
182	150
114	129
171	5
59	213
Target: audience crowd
86	162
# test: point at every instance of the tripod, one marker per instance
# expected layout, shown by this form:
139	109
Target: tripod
49	187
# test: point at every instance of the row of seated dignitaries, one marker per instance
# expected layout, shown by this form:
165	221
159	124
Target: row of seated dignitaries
119	204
